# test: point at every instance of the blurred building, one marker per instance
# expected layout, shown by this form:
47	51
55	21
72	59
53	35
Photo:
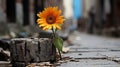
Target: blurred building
2	11
87	4
24	11
106	15
110	16
106	12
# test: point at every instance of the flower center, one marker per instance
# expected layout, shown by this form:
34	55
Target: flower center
50	19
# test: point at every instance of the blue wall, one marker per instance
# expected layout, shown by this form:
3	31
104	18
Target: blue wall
77	6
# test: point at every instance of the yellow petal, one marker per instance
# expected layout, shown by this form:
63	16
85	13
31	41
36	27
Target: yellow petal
58	27
41	25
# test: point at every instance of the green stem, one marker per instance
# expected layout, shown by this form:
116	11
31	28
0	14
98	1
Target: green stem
60	55
53	38
53	33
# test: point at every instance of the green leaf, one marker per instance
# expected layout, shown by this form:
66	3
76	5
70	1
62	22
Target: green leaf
58	42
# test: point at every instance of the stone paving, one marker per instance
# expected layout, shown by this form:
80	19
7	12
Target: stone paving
87	51
93	51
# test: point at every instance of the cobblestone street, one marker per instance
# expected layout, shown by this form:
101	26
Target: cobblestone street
93	51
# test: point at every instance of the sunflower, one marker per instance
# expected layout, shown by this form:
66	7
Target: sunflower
50	18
